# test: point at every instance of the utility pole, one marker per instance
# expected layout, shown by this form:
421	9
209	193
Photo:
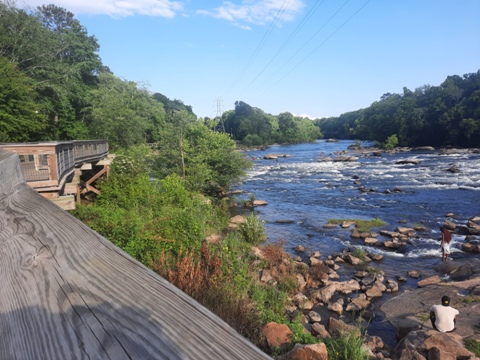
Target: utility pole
219	111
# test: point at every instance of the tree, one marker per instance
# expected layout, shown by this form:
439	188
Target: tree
21	118
123	113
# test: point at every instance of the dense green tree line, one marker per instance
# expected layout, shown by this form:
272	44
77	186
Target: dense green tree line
443	115
252	126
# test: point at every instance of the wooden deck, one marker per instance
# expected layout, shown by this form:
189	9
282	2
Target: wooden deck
50	167
68	293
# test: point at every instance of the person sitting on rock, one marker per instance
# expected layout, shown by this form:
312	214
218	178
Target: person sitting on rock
445	244
443	316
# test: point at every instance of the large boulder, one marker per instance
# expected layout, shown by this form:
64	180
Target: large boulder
276	336
307	352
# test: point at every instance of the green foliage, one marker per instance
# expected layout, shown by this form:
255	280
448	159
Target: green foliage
473	346
254	127
145	217
390	143
431	115
252	230
361	225
21	119
346	347
122	113
300	336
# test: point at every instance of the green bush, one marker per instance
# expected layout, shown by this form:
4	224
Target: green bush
252	230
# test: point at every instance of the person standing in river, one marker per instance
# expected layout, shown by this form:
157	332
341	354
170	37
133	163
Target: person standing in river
445	244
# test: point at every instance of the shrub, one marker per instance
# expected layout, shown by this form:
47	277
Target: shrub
252	230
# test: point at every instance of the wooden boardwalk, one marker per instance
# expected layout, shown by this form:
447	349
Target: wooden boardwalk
54	168
68	293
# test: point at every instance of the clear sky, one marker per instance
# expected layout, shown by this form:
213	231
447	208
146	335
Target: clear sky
311	58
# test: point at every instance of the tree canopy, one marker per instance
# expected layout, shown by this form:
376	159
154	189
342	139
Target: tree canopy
444	115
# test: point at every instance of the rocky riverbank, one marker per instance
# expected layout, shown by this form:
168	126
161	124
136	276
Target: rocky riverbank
342	292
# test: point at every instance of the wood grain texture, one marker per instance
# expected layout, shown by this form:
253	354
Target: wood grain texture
68	293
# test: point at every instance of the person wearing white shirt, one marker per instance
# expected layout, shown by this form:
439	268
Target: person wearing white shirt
443	316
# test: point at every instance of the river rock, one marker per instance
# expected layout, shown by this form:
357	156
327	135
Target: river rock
276	336
306	352
429	281
471	248
337	327
261	203
353	259
270	157
376	257
475	219
374	291
325	294
347	287
407	162
448	345
392	234
300	248
314	317
336	307
405	231
318	330
413	274
373	343
392	285
449	225
370	241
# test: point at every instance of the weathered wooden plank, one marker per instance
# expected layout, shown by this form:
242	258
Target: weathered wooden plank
86	166
66	202
68	293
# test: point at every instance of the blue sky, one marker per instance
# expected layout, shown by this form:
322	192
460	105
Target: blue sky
311	58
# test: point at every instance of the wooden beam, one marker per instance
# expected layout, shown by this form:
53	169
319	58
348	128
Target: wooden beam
96	176
68	293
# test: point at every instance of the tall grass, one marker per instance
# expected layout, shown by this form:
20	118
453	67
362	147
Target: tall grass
346	347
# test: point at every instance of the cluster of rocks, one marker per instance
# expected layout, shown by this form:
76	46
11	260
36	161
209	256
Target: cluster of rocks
275	156
471	230
319	286
338	156
345	300
401	236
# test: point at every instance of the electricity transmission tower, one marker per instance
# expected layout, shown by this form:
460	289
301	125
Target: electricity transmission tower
219	111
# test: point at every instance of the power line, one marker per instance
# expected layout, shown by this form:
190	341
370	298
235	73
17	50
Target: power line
323	42
312	10
305	44
260	44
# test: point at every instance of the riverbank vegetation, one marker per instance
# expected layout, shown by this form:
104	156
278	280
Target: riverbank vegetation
361	225
444	115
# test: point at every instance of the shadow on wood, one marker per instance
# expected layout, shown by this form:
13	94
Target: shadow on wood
68	293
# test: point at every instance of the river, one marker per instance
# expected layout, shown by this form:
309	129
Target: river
303	193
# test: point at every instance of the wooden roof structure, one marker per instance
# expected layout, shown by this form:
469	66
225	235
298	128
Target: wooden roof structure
68	293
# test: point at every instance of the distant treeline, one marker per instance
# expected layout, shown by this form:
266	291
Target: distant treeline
443	115
253	127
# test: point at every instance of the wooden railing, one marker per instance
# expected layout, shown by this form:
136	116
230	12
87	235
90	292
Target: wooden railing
47	165
68	293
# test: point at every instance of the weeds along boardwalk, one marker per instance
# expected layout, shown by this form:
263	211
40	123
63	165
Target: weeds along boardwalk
68	293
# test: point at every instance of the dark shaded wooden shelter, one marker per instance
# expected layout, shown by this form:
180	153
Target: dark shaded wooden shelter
68	293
